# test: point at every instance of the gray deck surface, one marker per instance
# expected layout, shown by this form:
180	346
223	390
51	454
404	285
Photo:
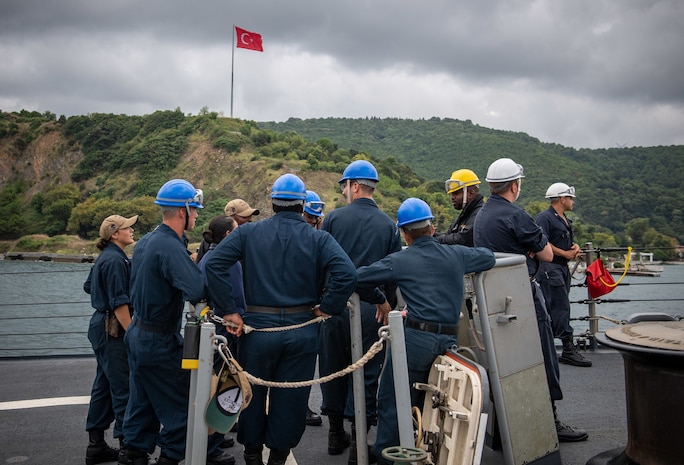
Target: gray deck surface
594	400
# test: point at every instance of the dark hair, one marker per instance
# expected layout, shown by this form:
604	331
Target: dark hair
416	233
367	190
501	187
299	208
217	229
474	189
101	243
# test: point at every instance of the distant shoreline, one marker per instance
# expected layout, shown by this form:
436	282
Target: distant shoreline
48	257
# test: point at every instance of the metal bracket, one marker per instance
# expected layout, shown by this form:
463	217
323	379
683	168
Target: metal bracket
506	317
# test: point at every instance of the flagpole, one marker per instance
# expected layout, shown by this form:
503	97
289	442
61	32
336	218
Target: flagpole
232	66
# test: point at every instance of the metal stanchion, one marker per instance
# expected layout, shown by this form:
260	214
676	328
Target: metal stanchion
401	382
200	386
358	380
593	322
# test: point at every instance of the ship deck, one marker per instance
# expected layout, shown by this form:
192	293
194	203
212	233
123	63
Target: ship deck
43	406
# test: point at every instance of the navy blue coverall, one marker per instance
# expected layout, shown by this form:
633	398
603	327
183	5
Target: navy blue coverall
430	277
283	258
237	286
503	226
367	234
554	277
163	277
108	285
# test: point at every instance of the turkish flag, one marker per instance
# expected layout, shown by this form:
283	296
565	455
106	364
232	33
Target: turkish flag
248	40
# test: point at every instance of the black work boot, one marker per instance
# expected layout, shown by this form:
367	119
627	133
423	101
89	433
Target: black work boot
278	457
338	438
224	458
253	456
227	442
164	460
572	356
312	418
123	454
135	456
567	433
98	450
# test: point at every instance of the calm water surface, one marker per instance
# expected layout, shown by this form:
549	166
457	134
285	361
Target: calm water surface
663	294
44	311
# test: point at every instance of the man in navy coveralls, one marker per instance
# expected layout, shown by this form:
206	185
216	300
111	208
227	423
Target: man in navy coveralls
284	260
503	226
555	278
430	277
367	234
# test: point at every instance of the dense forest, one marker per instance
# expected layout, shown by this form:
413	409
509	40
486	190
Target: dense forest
614	185
63	175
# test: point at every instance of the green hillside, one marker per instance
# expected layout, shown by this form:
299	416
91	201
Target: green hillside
614	185
62	176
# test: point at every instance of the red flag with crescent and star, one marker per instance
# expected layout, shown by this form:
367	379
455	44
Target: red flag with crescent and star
248	40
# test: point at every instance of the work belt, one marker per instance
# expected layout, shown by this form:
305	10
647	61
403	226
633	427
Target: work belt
153	327
435	328
278	310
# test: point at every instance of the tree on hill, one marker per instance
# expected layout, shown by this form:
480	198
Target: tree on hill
118	162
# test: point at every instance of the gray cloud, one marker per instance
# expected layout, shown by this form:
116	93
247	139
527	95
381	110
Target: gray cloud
582	73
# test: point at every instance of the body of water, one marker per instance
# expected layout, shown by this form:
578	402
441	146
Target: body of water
664	294
44	311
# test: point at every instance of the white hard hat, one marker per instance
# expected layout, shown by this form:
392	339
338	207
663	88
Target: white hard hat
504	169
560	189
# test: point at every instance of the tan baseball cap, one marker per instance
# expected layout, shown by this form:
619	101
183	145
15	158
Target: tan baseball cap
113	223
240	208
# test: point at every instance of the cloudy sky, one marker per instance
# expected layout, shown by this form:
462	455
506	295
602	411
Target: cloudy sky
582	73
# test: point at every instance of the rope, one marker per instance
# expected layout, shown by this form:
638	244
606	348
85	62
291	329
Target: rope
600	317
417	425
612	320
248	329
372	352
628	258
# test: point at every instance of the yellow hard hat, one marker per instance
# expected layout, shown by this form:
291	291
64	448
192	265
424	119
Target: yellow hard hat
460	179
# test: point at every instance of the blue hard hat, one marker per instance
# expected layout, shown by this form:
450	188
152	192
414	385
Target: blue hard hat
413	210
360	169
288	187
313	205
179	193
